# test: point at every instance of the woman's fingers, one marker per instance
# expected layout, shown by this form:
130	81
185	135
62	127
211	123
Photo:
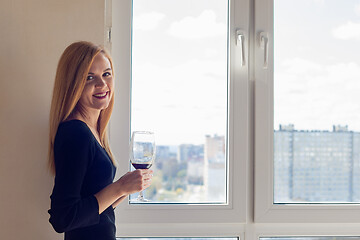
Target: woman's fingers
146	178
137	180
147	174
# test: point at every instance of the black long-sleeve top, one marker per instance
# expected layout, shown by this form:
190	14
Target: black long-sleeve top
83	168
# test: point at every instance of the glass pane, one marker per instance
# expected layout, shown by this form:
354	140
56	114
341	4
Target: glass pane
310	238
179	91
317	101
183	238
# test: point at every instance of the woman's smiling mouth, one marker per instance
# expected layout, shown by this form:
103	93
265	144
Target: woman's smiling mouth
101	95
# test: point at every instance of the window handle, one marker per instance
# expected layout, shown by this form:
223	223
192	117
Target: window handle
264	44
240	41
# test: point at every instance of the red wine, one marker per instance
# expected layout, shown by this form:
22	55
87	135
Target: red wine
142	165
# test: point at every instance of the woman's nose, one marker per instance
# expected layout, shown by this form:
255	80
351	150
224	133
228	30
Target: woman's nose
100	82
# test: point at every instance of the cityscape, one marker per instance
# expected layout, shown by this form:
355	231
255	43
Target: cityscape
316	166
309	166
190	173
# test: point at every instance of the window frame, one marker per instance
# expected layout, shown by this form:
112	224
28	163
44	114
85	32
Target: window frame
228	217
254	215
265	210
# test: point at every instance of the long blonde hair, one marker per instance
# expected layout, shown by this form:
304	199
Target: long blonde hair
71	73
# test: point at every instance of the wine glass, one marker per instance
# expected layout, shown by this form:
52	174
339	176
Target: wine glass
142	153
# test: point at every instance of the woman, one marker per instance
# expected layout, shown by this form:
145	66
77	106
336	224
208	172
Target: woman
84	194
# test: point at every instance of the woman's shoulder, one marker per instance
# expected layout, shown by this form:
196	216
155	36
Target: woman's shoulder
73	140
73	129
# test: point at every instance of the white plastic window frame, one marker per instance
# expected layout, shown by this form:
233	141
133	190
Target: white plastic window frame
182	219
265	210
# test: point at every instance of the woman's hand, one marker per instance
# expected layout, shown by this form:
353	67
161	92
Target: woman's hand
131	182
135	181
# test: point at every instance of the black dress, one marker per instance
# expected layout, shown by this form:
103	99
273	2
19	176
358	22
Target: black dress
83	168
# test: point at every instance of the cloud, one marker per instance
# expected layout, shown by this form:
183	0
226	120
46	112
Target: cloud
357	9
307	66
322	2
203	26
195	89
315	96
350	30
148	21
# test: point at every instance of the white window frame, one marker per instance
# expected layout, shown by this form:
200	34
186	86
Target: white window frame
251	213
181	219
265	210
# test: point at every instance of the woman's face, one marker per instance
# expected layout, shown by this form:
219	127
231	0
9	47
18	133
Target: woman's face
99	85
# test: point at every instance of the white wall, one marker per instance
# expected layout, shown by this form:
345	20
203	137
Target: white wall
33	34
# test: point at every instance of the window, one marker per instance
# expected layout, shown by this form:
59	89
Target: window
204	86
263	200
307	112
315	77
179	91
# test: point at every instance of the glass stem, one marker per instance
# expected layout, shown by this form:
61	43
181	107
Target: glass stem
141	195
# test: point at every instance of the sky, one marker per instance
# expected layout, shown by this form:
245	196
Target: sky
179	69
317	64
179	66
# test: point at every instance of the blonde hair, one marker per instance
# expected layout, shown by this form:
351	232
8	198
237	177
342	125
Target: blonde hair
71	73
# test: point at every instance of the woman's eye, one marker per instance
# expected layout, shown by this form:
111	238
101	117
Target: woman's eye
106	74
90	77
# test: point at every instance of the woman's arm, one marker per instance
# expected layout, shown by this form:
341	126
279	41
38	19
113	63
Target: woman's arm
131	182
115	204
73	153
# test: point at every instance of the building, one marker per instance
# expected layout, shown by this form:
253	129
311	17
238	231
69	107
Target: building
215	168
316	166
188	152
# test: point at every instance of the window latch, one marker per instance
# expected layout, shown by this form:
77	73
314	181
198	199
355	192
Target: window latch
240	41
264	44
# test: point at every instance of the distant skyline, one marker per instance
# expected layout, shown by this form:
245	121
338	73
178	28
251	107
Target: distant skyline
319	166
